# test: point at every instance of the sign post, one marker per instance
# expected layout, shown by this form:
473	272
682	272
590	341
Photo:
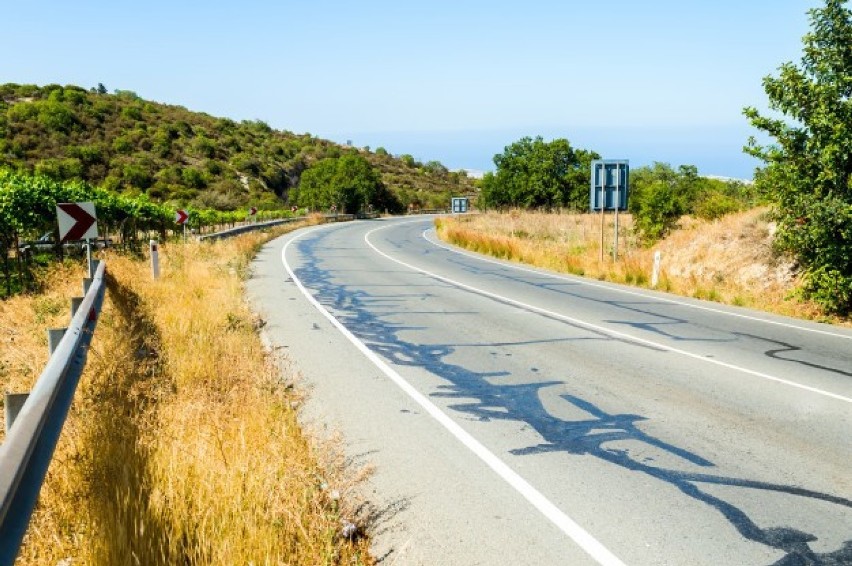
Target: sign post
609	190
603	206
615	246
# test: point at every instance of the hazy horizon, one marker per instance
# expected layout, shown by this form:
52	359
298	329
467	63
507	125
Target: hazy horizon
454	82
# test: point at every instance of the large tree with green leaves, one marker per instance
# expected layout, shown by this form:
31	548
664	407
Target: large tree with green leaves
808	172
533	173
349	182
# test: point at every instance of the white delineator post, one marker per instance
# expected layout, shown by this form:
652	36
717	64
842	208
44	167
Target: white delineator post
155	258
655	274
89	263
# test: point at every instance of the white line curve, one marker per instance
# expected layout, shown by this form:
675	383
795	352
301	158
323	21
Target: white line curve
560	519
603	329
619	289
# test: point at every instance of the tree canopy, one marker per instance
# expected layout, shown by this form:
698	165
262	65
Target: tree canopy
349	183
808	166
660	195
533	173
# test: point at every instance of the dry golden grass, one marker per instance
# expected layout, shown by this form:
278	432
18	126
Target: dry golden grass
729	260
183	445
24	320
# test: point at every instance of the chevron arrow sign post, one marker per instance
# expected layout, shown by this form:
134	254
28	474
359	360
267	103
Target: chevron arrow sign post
77	221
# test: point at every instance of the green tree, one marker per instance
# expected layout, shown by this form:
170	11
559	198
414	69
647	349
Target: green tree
660	195
532	173
657	209
348	182
808	167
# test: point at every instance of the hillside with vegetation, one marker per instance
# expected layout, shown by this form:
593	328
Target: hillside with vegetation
125	144
730	259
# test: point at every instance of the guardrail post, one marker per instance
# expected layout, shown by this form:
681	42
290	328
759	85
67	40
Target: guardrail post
75	304
54	336
12	406
87	281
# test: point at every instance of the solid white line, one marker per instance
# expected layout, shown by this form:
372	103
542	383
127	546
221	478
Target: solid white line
603	329
619	289
578	534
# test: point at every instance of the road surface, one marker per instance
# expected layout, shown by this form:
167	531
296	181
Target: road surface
516	416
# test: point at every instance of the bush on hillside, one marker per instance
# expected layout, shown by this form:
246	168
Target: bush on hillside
808	173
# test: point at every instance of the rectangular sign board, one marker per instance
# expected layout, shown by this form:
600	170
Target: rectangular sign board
460	205
610	184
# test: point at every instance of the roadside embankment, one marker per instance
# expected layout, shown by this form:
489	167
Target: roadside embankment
182	445
730	260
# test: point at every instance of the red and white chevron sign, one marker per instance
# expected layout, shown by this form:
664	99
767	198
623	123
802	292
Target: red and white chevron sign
181	216
77	221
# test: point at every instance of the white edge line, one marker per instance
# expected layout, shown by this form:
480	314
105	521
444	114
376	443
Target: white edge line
617	288
578	534
603	329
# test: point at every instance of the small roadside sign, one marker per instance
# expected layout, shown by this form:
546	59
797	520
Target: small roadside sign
77	221
181	216
460	205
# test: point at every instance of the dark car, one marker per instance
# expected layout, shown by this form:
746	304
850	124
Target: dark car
46	243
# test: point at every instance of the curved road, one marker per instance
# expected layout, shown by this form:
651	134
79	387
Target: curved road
515	416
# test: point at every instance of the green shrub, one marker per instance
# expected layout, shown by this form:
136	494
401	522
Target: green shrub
716	205
657	210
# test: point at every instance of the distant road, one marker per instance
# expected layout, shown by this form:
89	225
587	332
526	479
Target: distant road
515	416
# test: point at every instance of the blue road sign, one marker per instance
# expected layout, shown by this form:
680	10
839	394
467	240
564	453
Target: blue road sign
610	184
460	205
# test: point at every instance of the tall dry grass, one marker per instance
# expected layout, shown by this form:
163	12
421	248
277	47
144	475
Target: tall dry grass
183	445
729	260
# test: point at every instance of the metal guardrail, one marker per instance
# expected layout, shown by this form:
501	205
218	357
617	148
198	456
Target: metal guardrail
28	448
261	225
247	228
431	211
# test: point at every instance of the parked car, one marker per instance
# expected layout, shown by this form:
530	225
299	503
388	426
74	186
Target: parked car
46	243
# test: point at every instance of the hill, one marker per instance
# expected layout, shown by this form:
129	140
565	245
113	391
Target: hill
126	144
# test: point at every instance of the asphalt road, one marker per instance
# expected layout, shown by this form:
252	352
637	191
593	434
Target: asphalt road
515	416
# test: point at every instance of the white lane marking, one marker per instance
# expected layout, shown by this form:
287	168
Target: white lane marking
618	289
603	329
578	534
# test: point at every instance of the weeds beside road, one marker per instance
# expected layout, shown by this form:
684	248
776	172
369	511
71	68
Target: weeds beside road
182	444
729	260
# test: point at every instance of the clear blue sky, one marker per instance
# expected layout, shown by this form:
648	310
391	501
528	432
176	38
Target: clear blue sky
454	81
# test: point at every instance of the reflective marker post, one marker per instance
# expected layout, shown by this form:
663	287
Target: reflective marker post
155	258
89	258
655	274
